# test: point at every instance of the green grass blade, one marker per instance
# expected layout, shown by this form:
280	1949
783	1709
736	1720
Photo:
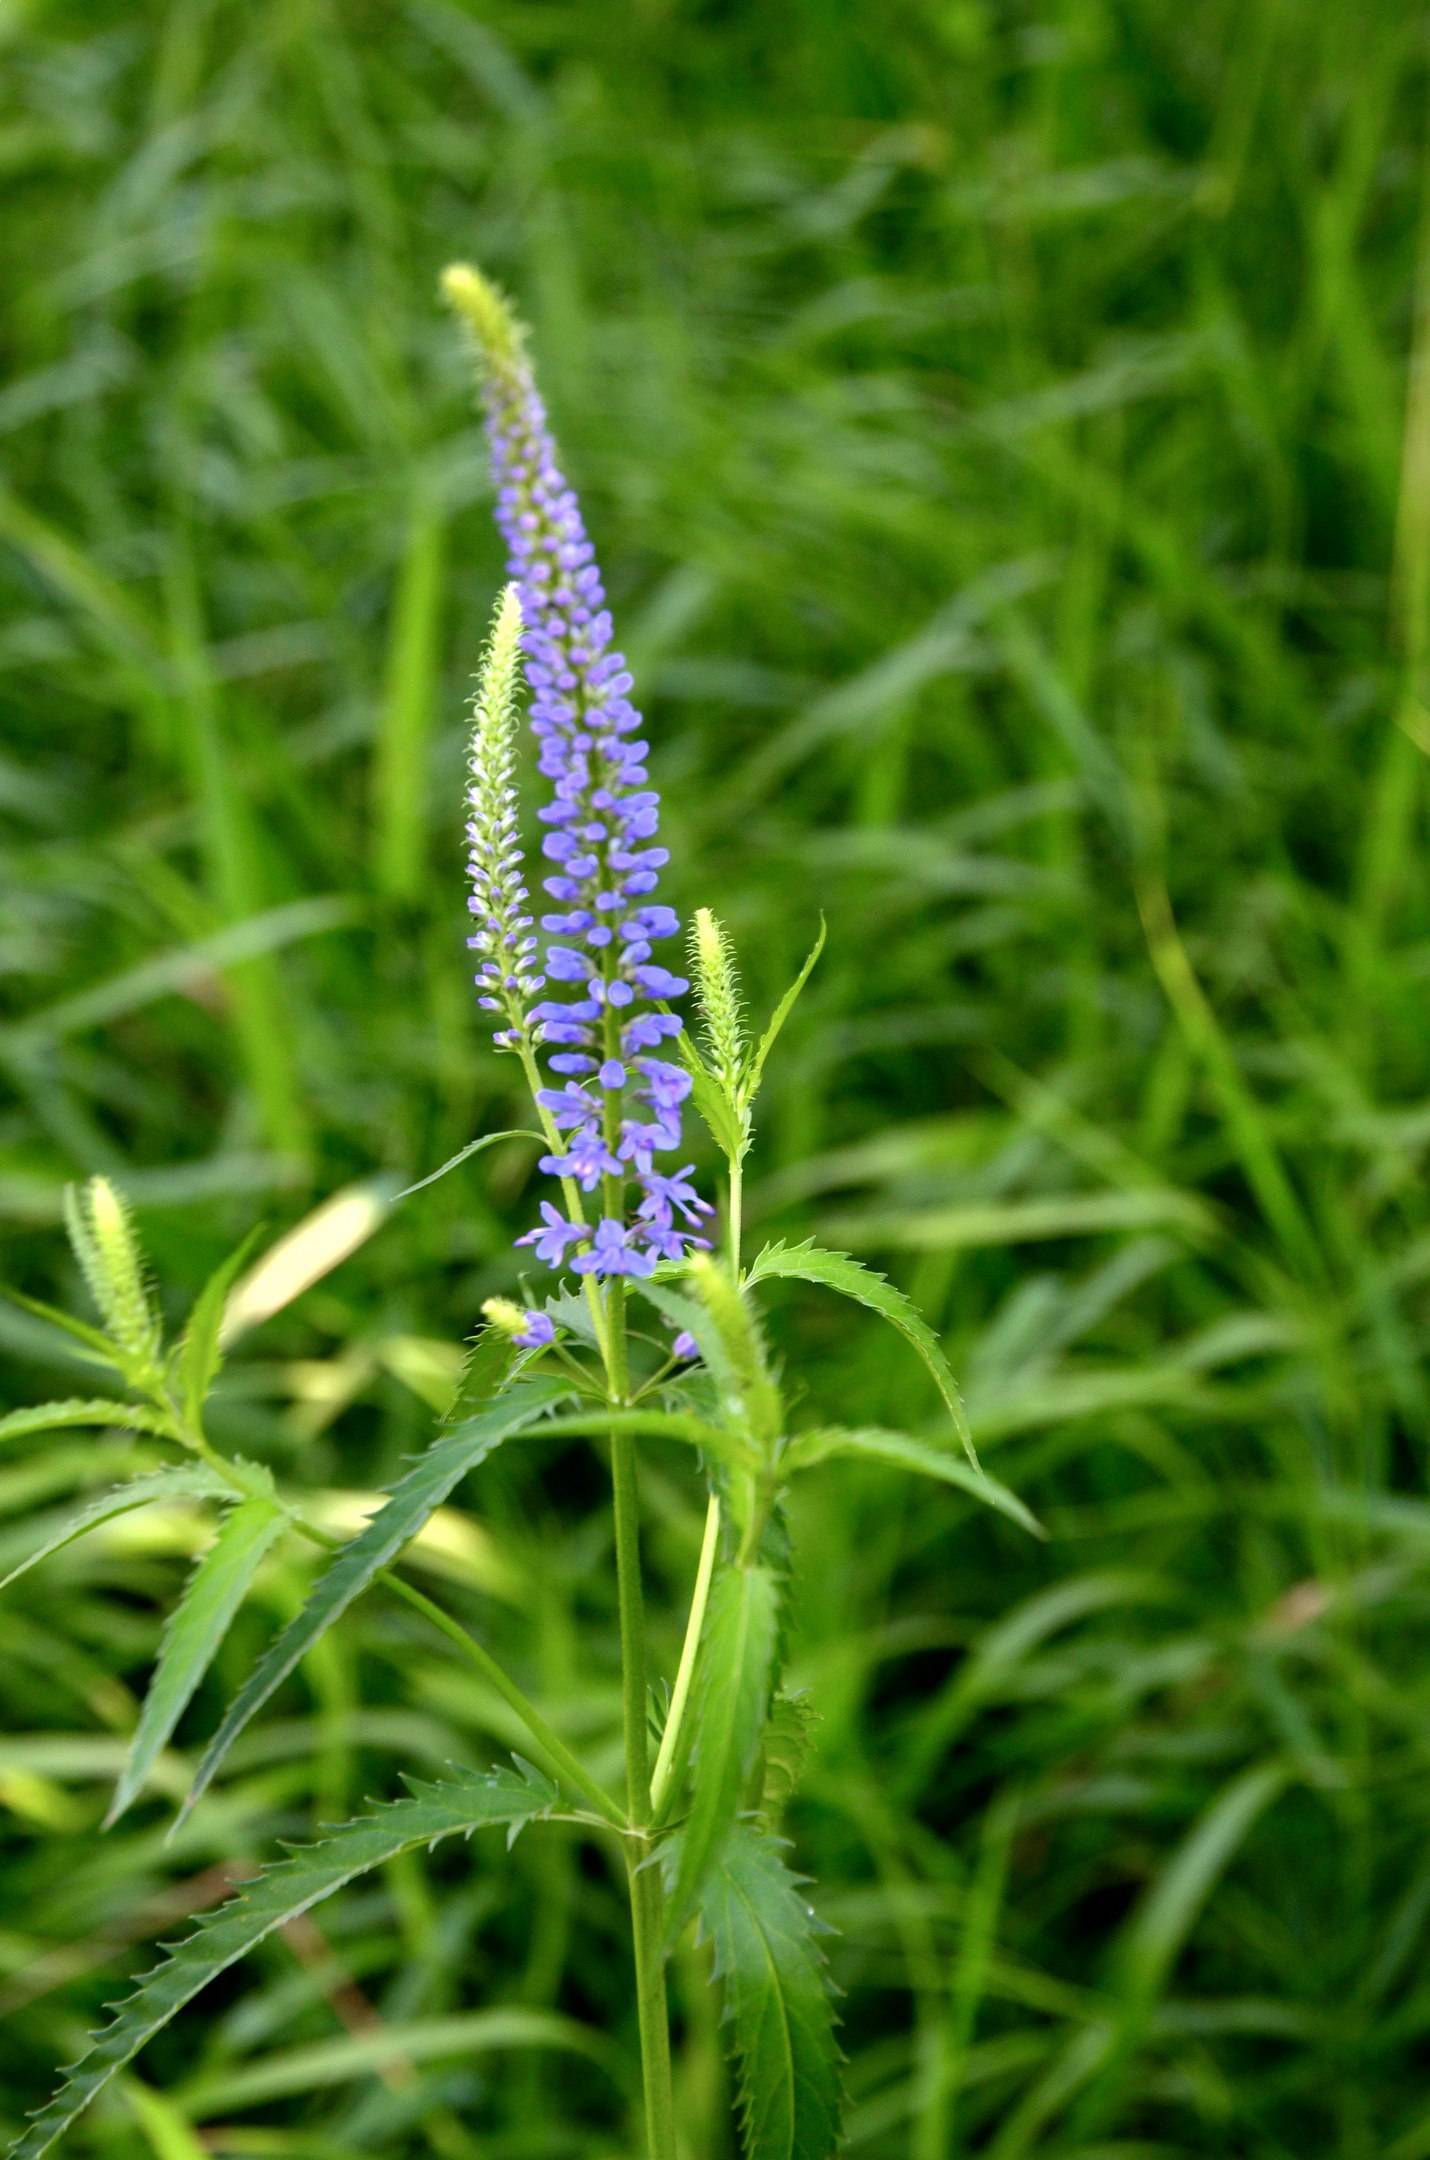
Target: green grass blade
473	1147
409	1504
194	1631
777	2001
409	706
453	1807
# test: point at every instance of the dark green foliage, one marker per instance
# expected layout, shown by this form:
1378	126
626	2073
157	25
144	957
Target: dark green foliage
455	1807
774	1985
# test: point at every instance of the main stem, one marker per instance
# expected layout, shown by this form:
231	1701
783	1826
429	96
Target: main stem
643	1874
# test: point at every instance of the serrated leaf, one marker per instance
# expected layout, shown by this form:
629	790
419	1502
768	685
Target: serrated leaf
777	2000
733	1683
841	1272
715	1441
684	1313
200	1353
452	1807
101	1351
721	1114
193	1633
901	1451
409	1504
789	1741
190	1481
95	1411
485	1370
728	1339
473	1147
778	1018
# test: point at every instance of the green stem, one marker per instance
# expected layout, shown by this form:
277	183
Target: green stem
736	1209
665	1760
628	1572
643	1874
647	1932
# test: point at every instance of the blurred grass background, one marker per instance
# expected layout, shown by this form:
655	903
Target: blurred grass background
1006	429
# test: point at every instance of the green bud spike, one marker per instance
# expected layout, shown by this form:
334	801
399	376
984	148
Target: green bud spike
721	1001
106	1245
488	314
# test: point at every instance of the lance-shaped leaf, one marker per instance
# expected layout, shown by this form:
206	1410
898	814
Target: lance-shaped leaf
193	1633
473	1147
850	1278
777	2000
901	1451
95	1347
454	1806
411	1501
190	1481
779	1016
95	1411
736	1675
719	1112
200	1353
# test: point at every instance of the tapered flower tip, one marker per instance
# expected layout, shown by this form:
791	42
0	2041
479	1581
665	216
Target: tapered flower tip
485	309
496	680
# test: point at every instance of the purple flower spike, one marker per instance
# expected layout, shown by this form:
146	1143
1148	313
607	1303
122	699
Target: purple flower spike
540	1330
601	847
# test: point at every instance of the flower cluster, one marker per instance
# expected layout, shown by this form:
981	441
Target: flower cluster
509	976
617	1106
